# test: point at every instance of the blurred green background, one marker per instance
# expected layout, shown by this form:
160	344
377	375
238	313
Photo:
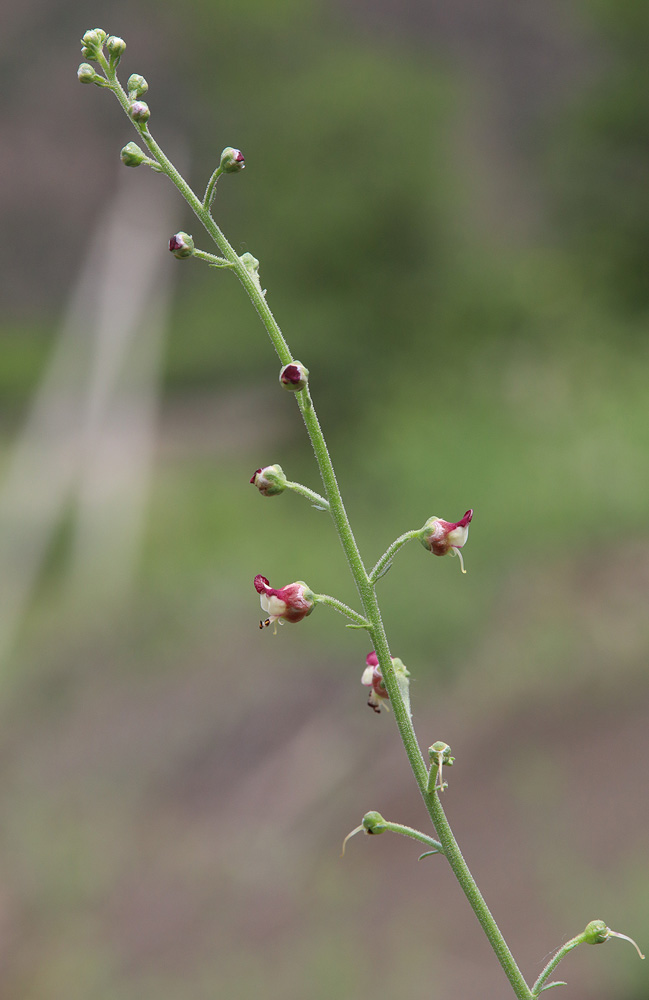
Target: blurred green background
450	203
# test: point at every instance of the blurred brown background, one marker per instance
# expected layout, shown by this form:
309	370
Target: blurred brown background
450	206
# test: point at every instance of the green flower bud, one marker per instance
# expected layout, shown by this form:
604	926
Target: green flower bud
86	74
596	932
232	160
139	112
181	245
115	47
131	155
136	85
373	822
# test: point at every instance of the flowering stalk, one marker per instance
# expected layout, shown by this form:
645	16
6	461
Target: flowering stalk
295	601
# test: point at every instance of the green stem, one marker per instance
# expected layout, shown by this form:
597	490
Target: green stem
409	831
554	961
333	602
212	258
210	190
311	495
383	565
364	584
475	898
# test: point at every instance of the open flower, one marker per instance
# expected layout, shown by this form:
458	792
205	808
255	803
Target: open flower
442	537
290	604
373	679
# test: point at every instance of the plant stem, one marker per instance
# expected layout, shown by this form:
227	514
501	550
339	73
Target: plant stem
409	831
308	494
554	961
333	602
364	583
384	562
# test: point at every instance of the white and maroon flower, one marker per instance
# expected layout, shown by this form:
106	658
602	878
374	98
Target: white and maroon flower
290	604
373	679
442	537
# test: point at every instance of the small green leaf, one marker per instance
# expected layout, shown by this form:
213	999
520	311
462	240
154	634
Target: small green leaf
426	854
550	986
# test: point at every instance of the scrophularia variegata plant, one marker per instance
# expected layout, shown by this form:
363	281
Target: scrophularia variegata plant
385	676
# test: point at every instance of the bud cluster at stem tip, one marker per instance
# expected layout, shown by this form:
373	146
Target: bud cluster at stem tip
92	48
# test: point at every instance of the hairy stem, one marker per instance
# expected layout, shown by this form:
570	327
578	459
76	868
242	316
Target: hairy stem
384	563
364	582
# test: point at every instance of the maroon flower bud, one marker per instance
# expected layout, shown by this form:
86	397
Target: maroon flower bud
442	537
181	245
294	376
270	481
290	604
139	112
232	160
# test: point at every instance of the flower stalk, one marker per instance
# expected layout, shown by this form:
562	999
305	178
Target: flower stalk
296	601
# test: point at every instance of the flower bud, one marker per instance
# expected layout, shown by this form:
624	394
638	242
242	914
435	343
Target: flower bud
232	160
596	932
115	47
373	822
92	43
181	244
136	86
131	155
270	481
289	604
294	376
442	537
86	74
139	112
